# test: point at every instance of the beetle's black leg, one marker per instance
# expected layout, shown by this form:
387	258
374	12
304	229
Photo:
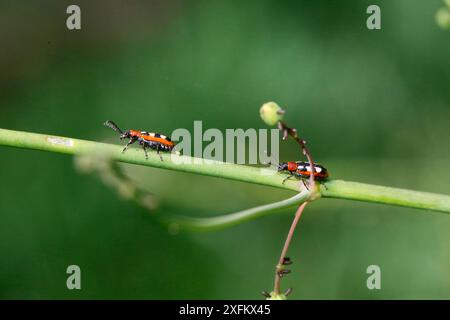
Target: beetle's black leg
287	178
305	184
145	151
129	142
157	151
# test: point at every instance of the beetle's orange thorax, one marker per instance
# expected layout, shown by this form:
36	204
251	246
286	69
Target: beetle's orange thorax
292	166
135	133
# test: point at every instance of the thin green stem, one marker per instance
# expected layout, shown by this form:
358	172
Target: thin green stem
228	220
114	177
333	189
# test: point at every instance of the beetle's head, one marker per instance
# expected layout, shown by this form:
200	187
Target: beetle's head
125	135
282	166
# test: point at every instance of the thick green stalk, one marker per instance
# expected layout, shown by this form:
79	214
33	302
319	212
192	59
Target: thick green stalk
72	146
333	188
401	197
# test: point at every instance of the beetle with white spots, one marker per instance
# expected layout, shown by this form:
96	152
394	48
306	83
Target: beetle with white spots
155	141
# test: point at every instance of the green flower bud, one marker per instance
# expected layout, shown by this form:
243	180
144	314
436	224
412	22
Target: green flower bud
271	113
443	18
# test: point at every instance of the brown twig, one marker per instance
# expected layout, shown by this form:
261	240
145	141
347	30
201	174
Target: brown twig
280	269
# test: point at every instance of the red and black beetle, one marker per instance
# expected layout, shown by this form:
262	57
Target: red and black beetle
302	169
146	139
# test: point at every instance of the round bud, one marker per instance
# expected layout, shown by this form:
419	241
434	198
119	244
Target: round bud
443	18
271	113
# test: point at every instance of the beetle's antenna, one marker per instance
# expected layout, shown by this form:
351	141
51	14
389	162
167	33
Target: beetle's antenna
113	126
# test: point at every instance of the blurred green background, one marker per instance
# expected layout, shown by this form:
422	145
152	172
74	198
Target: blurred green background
366	101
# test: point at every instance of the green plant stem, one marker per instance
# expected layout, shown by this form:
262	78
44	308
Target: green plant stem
135	155
114	177
340	189
228	220
333	189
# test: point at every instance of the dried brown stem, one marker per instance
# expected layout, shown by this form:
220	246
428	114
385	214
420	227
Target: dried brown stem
280	269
